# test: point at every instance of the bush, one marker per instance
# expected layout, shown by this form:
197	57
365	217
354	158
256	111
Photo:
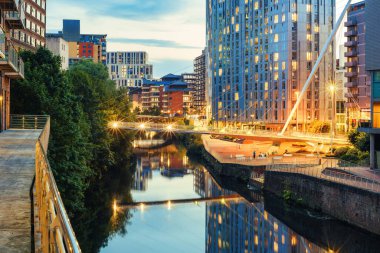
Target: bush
359	140
320	127
341	151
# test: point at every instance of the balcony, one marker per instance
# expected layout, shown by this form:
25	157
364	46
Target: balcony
351	95
10	62
350	33
15	19
351	22
10	5
352	53
351	74
351	64
351	43
351	84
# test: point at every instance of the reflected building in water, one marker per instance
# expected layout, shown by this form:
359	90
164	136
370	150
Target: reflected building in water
170	160
236	227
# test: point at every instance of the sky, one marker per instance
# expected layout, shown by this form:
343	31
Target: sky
171	31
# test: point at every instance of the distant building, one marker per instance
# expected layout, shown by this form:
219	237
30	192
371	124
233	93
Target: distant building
199	97
33	36
128	69
82	46
59	47
340	93
170	95
359	80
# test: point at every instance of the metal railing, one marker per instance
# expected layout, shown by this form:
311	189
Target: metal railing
12	57
53	228
334	171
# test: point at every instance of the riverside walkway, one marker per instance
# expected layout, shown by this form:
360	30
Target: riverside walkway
17	170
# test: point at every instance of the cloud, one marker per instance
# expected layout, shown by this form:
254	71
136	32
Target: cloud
152	43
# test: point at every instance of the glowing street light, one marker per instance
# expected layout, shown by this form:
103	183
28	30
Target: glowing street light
114	125
169	128
142	126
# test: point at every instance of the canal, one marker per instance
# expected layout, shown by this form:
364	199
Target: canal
246	223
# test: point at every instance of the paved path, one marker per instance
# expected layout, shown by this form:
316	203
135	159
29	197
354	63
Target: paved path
17	169
232	153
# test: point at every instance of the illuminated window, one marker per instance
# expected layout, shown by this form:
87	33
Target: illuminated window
294	17
308	7
275	19
275	38
275	56
256	5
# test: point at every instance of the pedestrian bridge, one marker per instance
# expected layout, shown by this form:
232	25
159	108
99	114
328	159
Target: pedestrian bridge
172	128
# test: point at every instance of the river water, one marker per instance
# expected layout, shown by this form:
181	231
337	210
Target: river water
232	219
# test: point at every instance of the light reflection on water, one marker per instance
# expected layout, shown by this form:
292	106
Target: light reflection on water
213	227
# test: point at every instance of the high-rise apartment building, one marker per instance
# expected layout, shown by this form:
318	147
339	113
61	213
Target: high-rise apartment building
199	97
359	80
33	36
340	93
11	65
260	55
82	46
128	69
59	47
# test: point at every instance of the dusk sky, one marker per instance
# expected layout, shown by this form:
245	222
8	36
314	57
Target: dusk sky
171	31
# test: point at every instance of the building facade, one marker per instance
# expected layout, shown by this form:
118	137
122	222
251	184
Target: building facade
372	49
82	46
199	97
359	80
260	55
171	95
33	36
11	65
128	69
59	47
341	113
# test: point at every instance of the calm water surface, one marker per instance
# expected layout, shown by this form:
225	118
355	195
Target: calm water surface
237	226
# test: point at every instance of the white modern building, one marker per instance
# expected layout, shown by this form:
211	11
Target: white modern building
59	47
128	69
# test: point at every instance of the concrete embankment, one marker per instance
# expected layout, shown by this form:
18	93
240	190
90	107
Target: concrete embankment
347	203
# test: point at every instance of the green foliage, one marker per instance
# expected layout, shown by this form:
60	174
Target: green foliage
359	140
81	102
154	111
320	127
287	195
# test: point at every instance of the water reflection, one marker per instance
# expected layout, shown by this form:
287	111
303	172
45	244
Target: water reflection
236	226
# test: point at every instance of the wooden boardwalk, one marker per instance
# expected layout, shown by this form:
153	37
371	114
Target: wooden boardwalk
17	169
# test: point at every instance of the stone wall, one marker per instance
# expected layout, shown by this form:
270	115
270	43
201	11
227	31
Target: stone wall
353	205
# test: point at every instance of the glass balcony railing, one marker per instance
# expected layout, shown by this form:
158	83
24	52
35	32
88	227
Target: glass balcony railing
10	62
16	19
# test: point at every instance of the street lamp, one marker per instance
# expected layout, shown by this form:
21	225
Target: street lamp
225	121
252	116
235	115
297	93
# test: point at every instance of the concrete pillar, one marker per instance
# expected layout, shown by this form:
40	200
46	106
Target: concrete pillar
372	152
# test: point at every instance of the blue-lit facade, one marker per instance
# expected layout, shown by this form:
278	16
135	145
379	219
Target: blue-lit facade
260	53
71	30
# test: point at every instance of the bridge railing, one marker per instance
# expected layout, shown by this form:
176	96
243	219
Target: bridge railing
54	230
331	170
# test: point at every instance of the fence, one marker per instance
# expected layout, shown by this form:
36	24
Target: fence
54	229
331	170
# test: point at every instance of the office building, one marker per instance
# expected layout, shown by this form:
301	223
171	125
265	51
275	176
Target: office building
260	55
170	95
11	65
359	80
128	69
372	62
82	46
33	36
199	97
59	47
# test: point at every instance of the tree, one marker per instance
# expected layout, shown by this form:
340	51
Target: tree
359	140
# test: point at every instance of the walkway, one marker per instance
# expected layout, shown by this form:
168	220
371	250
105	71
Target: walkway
227	152
17	169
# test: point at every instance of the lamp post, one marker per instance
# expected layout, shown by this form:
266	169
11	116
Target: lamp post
333	112
252	116
225	121
297	93
235	115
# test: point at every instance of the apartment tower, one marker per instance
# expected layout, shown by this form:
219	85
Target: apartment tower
199	98
261	53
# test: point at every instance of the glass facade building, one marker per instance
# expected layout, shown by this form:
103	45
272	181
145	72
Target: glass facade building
260	53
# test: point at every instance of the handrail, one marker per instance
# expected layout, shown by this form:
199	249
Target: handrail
54	227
